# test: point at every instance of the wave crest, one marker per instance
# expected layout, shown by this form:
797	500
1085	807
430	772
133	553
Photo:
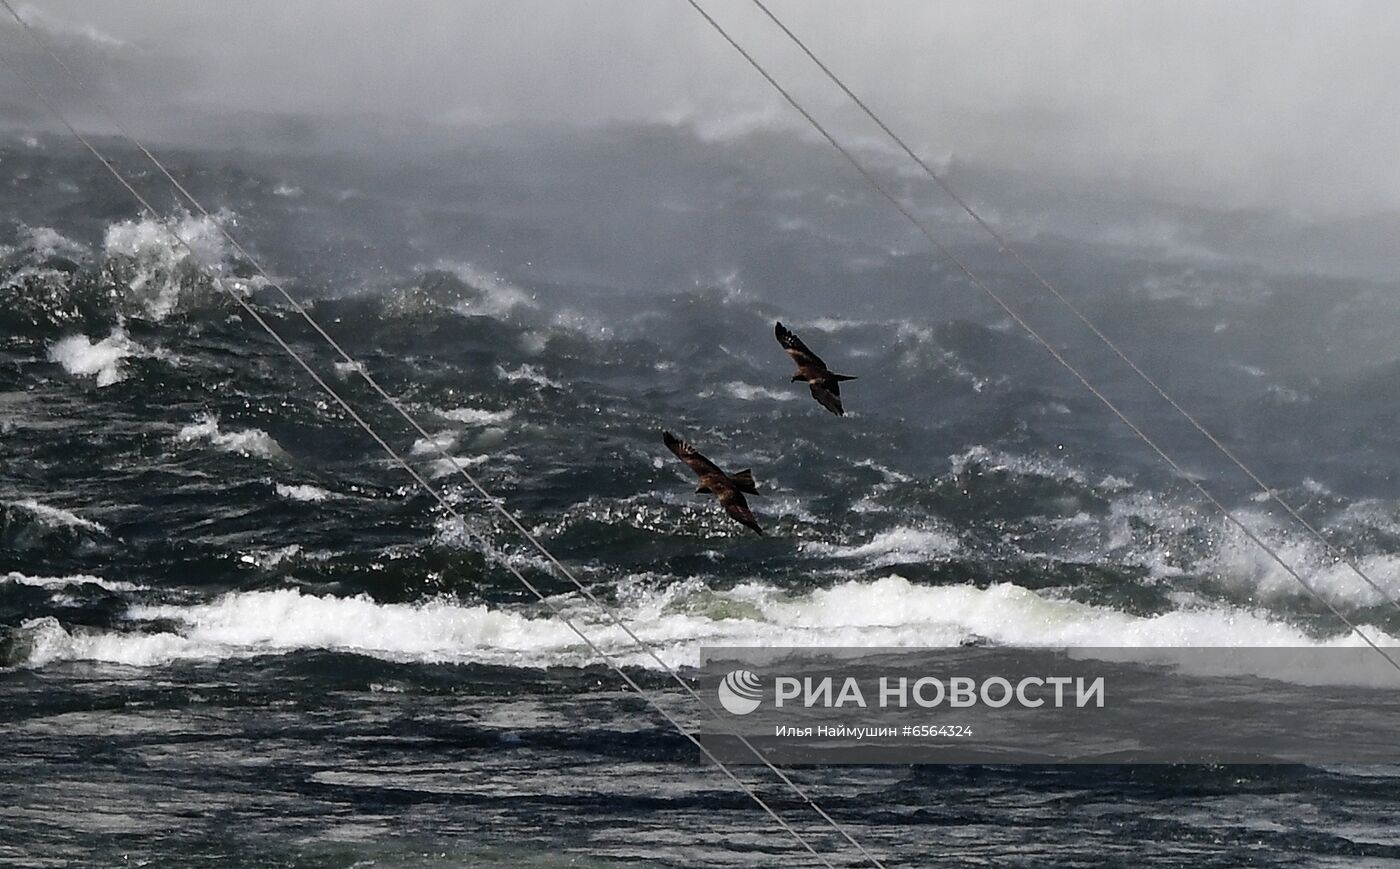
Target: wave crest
677	620
246	442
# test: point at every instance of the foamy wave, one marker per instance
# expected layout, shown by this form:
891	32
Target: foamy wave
103	360
47	242
475	416
831	324
1240	562
56	516
160	263
1170	540
44	641
677	621
248	442
497	295
270	558
527	373
899	545
434	444
443	467
80	579
748	392
305	492
344	369
983	459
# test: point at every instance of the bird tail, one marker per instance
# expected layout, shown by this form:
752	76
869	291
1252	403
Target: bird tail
839	377
743	481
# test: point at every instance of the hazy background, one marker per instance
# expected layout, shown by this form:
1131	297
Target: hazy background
553	229
1259	135
1244	105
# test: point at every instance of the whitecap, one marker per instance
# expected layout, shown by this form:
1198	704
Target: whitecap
476	416
527	373
303	492
47	241
444	467
434	444
55	516
80	357
678	621
78	579
748	392
246	442
345	369
497	295
985	459
900	545
157	258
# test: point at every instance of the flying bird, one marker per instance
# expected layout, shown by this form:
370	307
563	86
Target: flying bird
728	488
825	386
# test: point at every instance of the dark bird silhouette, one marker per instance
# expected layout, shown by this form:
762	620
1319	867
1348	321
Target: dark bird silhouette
728	488
825	386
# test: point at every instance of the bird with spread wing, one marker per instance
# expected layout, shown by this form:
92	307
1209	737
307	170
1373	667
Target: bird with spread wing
825	386
728	488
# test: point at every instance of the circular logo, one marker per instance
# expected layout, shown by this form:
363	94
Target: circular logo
740	692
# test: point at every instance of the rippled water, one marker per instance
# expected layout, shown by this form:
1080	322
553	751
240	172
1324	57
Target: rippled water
233	631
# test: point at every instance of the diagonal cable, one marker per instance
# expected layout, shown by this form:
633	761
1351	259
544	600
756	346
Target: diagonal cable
399	460
1020	321
495	503
1074	309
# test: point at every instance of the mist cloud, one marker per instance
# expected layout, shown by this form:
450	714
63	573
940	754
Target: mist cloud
1290	106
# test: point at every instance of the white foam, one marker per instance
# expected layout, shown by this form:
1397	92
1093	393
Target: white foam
303	492
831	324
53	516
890	474
748	392
47	242
158	258
103	360
443	467
247	442
498	295
528	373
997	460
889	612
47	642
434	444
1142	529
1241	563
900	545
287	620
80	579
345	369
269	558
475	416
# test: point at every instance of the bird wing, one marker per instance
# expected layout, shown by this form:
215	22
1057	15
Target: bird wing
702	466
796	349
738	509
828	395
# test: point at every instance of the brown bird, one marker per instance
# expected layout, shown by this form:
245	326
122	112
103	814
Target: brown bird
825	386
728	488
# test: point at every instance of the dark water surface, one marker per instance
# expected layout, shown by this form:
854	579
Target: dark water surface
233	633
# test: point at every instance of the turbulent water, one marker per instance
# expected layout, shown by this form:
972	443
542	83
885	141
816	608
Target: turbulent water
234	630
